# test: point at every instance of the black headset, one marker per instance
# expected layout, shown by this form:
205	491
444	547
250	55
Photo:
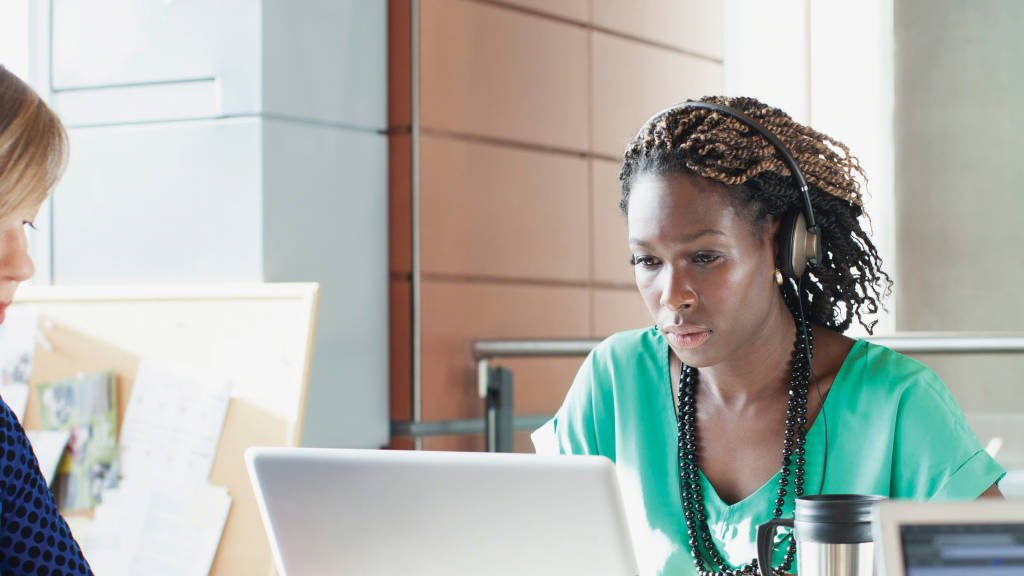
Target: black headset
799	241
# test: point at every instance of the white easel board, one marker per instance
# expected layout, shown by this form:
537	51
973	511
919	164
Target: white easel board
258	335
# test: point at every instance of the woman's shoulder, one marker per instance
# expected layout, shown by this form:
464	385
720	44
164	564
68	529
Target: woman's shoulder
878	385
622	359
8	419
14	445
877	368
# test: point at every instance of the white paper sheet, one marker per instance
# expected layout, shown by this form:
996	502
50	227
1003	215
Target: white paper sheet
172	424
17	349
157	531
49	447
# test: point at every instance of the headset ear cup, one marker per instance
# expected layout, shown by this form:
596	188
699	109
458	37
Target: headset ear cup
813	247
791	253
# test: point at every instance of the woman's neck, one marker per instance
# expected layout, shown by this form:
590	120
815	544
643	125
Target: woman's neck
757	371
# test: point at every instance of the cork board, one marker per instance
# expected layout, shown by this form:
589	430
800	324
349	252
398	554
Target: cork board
260	335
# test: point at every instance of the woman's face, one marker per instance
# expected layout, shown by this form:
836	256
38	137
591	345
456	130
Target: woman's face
15	264
704	270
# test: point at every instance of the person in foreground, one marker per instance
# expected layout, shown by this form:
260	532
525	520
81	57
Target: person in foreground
34	538
745	393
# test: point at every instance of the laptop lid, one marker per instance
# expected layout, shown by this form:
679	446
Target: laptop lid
371	512
977	538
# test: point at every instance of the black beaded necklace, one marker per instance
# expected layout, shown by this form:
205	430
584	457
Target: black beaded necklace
694	512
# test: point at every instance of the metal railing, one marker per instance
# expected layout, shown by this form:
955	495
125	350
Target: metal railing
495	384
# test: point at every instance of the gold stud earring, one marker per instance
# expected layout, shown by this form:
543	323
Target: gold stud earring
778	277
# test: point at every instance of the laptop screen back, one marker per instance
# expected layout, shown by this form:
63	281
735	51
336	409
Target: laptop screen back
440	513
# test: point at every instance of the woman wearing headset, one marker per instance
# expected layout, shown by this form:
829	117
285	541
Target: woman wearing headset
717	416
34	539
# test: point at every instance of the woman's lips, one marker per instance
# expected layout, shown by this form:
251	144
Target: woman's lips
687	341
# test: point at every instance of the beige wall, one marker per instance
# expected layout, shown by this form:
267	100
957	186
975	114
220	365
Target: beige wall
960	185
525	107
959	141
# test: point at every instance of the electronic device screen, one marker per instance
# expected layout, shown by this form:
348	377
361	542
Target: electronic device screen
963	549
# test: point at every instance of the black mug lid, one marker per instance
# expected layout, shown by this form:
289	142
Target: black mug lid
835	508
834	518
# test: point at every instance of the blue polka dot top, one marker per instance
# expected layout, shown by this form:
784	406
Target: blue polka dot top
34	538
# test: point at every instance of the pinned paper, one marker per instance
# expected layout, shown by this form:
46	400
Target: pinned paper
173	424
161	530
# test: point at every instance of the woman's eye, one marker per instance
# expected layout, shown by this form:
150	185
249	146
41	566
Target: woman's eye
705	258
29	224
644	261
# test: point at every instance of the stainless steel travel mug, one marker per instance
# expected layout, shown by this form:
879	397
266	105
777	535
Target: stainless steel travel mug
833	535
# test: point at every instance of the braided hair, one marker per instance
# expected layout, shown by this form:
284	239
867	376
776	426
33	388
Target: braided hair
849	281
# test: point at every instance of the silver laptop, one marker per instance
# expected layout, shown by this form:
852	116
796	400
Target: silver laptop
977	538
367	512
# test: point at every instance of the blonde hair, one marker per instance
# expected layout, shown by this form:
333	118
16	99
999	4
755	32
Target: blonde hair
33	146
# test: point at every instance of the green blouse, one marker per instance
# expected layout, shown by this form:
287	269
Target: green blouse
893	429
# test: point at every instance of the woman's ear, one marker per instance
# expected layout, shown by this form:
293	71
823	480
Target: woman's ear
770	239
773	231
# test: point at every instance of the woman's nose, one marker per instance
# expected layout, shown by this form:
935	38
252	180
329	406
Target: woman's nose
25	268
678	294
15	263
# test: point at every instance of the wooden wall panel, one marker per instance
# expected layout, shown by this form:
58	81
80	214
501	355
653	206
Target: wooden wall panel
691	25
524	106
456	443
400	203
575	10
609	233
631	81
401	350
521	442
493	72
399	63
618	310
476	442
496	211
401	443
457	313
541	383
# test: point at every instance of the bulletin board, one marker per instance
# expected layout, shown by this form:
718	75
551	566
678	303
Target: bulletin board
259	335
